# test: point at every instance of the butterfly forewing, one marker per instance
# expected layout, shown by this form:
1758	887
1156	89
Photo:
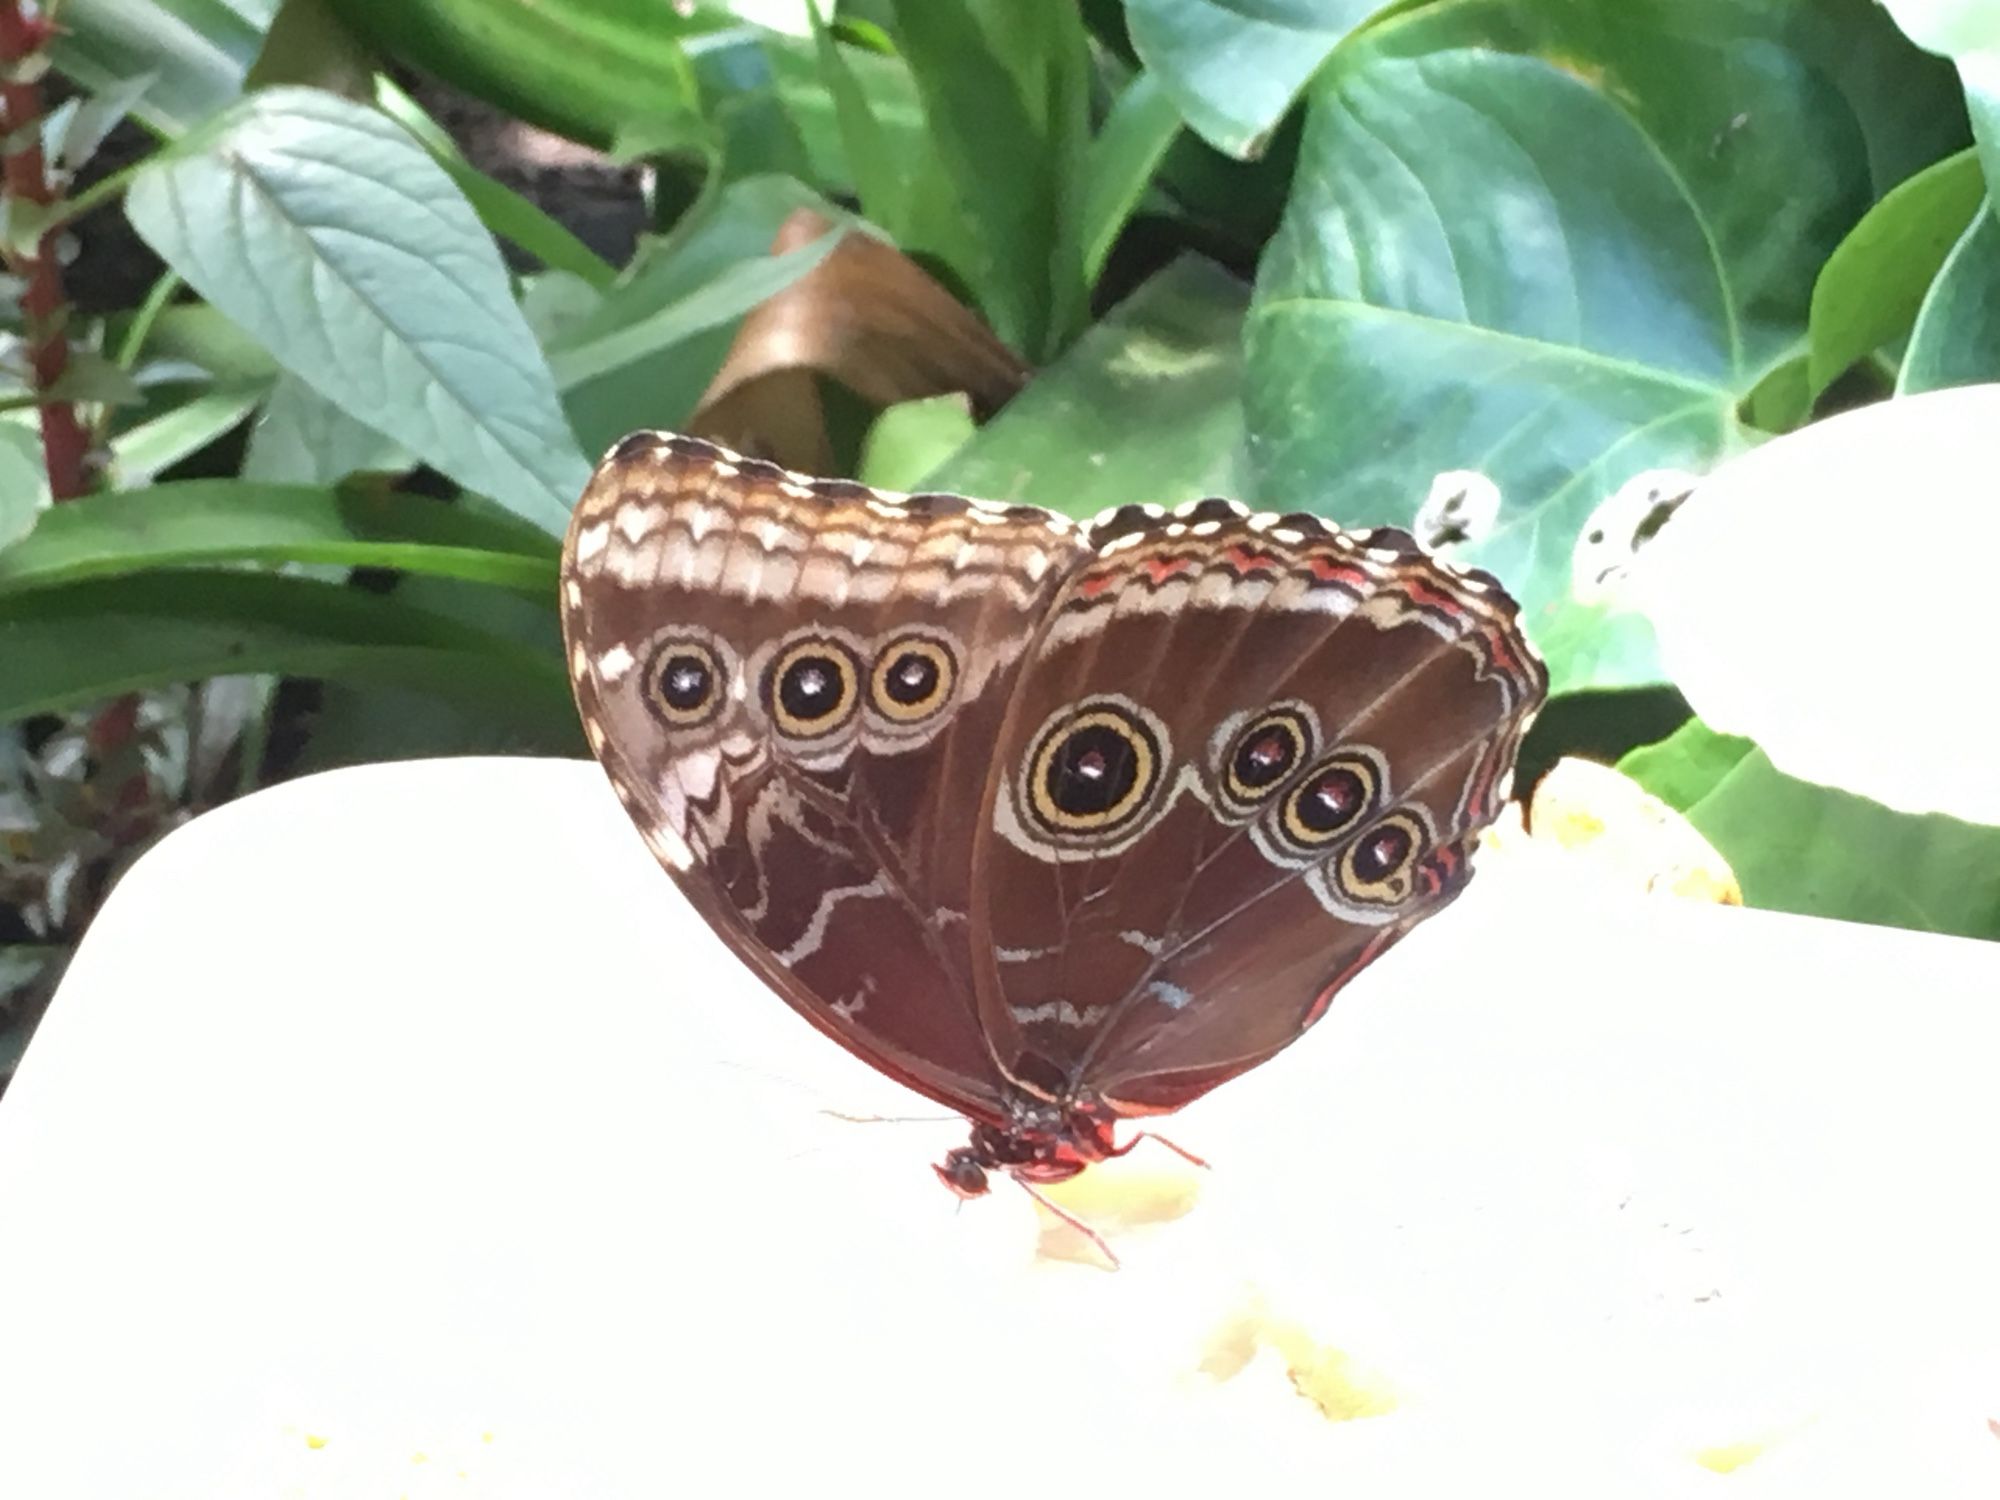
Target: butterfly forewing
795	686
1246	755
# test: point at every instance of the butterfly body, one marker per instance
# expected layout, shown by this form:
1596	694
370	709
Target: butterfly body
1059	824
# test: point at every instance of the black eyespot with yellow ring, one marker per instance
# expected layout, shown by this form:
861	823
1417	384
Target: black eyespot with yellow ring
1093	770
1379	867
686	682
812	688
913	678
1329	800
1263	755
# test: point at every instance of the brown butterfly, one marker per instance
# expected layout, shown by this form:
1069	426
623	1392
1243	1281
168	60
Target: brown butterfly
1058	824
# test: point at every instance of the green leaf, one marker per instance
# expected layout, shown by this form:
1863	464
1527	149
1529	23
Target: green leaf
1869	291
332	237
198	51
303	438
89	376
1967	31
878	179
309	44
1004	87
1558	252
1234	67
1799	847
63	646
24	483
152	446
884	84
722	300
502	210
586	69
202	522
85	128
1688	764
1122	161
1956	340
1144	407
734	229
910	439
360	723
201	335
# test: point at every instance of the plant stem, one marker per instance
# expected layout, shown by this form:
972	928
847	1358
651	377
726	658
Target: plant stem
65	445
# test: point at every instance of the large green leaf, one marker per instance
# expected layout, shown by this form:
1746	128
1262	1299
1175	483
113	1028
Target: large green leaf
84	641
518	220
209	521
1144	407
1005	89
880	178
1869	293
1235	66
300	437
587	69
1122	160
1799	847
363	721
325	230
197	51
1956	340
1526	241
1967	31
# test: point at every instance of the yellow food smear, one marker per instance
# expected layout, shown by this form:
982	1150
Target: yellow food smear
1113	1197
314	1440
1339	1385
1727	1457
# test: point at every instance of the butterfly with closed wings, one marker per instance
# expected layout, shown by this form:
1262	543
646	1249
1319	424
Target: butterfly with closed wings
1057	823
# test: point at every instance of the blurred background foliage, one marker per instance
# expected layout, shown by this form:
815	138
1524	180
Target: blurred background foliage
355	290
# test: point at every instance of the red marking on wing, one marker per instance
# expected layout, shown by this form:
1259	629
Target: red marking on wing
1094	584
1243	560
1160	569
1504	656
1420	592
1485	782
1333	570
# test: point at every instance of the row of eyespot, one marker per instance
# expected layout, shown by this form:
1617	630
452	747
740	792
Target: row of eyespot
1093	769
812	687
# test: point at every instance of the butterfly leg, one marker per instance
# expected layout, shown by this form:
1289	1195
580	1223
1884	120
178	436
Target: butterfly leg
1147	1135
1097	1240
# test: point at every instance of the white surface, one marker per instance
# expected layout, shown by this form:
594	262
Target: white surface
1829	595
398	1132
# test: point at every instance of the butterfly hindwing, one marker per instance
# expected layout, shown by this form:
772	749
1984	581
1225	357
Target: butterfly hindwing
1246	755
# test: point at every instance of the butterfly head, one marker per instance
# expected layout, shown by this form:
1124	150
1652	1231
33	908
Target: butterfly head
962	1172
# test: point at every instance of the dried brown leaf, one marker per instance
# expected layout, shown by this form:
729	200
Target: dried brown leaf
866	316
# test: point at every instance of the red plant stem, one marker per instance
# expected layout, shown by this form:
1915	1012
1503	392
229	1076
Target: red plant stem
24	32
65	444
